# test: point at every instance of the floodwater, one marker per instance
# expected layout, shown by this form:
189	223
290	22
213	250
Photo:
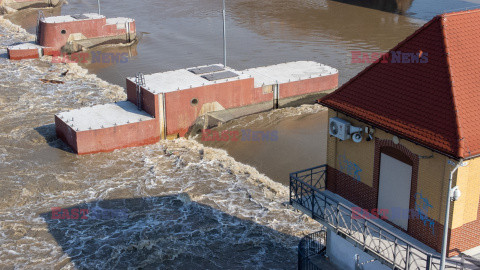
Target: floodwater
184	204
186	33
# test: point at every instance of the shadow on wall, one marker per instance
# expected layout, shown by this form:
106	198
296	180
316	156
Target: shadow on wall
169	232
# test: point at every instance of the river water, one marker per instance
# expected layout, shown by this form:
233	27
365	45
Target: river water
183	204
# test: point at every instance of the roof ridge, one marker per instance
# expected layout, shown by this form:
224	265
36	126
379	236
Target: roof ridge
340	89
461	12
461	143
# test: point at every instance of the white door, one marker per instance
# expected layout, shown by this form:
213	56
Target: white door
394	189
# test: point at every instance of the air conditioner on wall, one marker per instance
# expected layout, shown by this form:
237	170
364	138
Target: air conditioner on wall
339	128
343	130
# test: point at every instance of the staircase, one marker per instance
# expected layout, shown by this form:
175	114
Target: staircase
139	82
369	235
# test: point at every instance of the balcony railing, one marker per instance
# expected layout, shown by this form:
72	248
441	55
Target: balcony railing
386	246
311	246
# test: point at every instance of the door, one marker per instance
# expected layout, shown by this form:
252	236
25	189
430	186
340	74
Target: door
394	189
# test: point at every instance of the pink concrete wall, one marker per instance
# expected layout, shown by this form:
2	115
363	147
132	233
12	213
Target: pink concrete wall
66	134
149	100
109	139
23	54
308	86
51	36
131	91
180	114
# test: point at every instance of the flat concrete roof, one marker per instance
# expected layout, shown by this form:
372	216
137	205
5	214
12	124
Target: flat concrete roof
170	81
25	46
72	18
287	72
103	116
182	79
120	21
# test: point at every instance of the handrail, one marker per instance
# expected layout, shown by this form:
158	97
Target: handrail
311	245
306	170
339	217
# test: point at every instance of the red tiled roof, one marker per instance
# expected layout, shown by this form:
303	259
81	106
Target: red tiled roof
435	104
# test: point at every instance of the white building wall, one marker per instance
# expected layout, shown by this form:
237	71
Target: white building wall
342	254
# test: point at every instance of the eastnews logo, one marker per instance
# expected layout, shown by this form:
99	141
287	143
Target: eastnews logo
395	57
93	58
245	135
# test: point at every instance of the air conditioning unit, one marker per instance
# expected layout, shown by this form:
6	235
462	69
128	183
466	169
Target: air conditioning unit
339	128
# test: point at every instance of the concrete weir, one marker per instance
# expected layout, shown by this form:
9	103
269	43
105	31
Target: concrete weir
72	33
168	104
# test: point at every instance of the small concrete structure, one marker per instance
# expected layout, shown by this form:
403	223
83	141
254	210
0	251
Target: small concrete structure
175	99
118	125
186	94
8	6
72	33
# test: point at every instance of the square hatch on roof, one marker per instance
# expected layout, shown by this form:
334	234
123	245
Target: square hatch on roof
220	75
79	17
207	69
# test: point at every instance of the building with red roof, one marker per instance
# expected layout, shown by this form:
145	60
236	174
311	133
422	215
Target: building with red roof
399	128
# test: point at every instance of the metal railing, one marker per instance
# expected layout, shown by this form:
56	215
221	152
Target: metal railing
139	82
315	176
383	244
314	244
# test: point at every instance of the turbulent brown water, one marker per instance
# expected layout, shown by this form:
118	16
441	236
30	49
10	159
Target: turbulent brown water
184	205
300	142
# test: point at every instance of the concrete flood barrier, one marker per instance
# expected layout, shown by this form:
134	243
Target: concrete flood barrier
73	33
104	128
11	6
167	104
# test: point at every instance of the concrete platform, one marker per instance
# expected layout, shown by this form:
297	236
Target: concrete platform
120	22
164	82
71	18
193	92
172	102
24	51
103	116
104	128
182	79
288	72
73	33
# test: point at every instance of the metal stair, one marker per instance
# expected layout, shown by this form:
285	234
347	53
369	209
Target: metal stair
139	82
